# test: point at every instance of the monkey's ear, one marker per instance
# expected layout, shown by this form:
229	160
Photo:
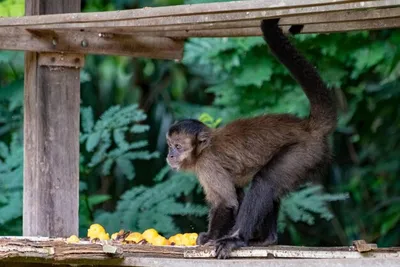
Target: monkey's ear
203	140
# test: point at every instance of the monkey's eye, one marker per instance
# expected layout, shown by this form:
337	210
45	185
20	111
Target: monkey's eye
178	146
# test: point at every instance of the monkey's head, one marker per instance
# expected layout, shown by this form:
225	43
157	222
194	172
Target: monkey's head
186	140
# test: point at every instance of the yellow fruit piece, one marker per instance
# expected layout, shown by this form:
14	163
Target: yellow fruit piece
95	230
160	241
186	240
135	237
178	239
114	236
73	239
103	236
193	238
150	234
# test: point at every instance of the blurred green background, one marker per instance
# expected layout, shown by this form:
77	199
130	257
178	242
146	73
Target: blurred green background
128	104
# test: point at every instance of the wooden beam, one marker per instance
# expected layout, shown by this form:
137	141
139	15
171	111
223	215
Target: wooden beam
168	11
328	17
308	28
51	139
12	38
215	16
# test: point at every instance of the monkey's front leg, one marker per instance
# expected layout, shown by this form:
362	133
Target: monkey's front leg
221	220
257	204
222	216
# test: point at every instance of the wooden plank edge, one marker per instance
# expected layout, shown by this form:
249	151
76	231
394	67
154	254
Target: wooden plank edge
256	31
221	17
166	11
178	262
296	252
91	43
329	17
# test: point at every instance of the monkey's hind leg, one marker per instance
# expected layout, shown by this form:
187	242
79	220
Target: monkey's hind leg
279	176
267	233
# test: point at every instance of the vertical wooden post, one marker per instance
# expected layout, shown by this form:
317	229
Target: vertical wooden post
51	138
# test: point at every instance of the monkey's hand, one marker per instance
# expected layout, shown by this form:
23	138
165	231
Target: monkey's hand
225	245
204	239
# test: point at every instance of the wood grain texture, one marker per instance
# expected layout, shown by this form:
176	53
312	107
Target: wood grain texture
13	38
51	139
57	251
213	16
170	11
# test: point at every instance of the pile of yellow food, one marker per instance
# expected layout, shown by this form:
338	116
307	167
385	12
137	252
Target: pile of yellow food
149	236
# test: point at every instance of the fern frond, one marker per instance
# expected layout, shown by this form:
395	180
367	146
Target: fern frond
304	205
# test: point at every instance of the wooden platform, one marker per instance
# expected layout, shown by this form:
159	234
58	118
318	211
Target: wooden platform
23	250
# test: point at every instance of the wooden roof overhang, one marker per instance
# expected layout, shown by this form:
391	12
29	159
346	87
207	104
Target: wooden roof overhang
159	32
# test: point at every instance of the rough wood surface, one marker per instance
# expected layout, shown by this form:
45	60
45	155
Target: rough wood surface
214	16
169	11
13	38
51	139
89	253
61	60
377	24
328	17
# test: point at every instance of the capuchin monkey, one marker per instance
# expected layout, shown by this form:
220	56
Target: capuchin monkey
275	153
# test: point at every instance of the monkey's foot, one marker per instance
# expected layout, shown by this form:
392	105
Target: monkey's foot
204	239
225	245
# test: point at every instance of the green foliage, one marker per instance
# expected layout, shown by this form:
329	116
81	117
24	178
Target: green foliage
10	185
208	120
143	207
305	204
106	140
12	8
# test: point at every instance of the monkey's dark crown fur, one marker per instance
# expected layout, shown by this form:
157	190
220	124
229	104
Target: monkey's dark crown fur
189	126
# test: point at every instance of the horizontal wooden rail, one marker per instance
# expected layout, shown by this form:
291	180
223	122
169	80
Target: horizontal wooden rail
218	17
376	24
169	11
90	43
328	17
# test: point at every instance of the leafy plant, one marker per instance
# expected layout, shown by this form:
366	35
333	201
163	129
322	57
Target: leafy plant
142	207
305	204
106	139
11	170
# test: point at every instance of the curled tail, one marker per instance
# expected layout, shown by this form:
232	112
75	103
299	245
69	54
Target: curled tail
323	110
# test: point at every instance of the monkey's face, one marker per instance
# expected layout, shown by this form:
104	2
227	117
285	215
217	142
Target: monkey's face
180	151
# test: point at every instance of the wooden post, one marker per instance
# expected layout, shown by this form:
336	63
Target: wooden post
51	137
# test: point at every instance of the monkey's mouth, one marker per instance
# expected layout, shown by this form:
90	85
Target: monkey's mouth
173	164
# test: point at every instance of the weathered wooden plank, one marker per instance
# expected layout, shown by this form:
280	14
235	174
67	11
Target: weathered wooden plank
162	262
167	262
59	250
328	17
91	43
309	28
294	252
167	11
218	17
51	139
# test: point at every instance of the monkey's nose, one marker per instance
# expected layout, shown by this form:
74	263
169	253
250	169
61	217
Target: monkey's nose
170	156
